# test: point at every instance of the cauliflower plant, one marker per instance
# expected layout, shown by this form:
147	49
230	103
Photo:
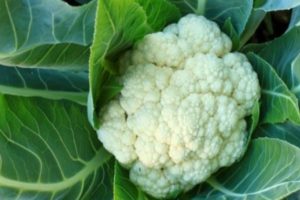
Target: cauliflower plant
180	115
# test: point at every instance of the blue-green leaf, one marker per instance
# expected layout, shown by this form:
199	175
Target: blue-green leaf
49	151
269	170
253	23
47	33
83	1
278	102
295	18
284	131
273	5
51	84
238	11
283	54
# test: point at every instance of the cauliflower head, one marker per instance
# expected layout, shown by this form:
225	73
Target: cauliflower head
180	114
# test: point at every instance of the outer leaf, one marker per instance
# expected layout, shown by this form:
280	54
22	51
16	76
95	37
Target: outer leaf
295	18
295	196
118	25
285	131
59	57
273	5
124	189
278	103
238	11
263	6
34	32
281	53
296	70
82	1
45	83
253	22
269	170
49	151
219	10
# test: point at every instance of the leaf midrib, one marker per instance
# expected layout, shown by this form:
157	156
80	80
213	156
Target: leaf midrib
99	159
76	96
273	93
214	183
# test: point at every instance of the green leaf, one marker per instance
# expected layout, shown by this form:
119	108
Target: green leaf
238	11
190	6
284	131
49	151
269	170
124	189
295	18
254	120
283	54
119	24
273	5
165	13
230	31
47	34
278	103
45	83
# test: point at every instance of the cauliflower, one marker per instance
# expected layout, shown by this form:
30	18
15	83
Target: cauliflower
180	115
